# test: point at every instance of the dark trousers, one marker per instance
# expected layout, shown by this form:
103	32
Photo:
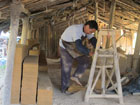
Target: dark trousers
66	66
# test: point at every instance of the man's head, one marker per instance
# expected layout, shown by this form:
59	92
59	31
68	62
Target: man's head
90	26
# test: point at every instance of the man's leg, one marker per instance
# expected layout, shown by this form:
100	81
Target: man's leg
83	63
66	65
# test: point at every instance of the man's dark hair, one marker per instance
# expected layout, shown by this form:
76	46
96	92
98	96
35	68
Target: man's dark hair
92	24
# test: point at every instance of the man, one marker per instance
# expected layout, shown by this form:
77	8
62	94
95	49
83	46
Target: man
71	48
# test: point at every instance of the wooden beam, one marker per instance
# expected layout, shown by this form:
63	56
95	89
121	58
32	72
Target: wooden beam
96	10
96	15
111	19
15	12
129	3
61	5
42	3
136	52
23	9
112	13
4	3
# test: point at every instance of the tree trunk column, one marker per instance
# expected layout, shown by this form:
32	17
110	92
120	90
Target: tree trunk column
15	12
24	30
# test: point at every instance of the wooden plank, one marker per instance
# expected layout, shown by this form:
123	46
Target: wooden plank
34	52
20	53
104	96
29	80
45	89
101	55
106	66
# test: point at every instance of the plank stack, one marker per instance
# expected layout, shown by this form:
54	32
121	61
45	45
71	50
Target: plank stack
20	53
29	82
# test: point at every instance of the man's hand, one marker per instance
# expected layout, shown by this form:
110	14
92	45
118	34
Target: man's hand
91	54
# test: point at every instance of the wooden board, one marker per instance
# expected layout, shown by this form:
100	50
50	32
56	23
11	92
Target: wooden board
34	52
29	80
42	61
45	90
20	53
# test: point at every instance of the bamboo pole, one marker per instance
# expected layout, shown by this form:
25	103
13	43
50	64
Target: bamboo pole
15	12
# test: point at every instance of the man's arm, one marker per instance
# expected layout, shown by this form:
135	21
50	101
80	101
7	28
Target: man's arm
93	41
81	47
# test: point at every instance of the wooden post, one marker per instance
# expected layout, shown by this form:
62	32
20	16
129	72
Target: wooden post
136	52
33	34
29	30
49	40
25	28
111	20
15	12
96	15
37	34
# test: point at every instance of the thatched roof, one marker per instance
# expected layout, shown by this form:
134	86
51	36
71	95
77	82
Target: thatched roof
127	12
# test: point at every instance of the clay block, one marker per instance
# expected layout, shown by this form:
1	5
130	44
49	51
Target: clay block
20	53
45	89
29	81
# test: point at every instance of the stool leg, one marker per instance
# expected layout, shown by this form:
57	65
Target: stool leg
90	81
117	72
103	80
95	82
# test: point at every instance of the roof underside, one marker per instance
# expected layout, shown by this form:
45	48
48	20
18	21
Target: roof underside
127	12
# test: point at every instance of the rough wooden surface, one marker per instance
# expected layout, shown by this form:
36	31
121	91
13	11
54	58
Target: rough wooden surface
136	52
45	89
42	61
15	12
20	53
29	80
25	29
34	52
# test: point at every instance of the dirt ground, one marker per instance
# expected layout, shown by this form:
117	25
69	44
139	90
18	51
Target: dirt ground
76	98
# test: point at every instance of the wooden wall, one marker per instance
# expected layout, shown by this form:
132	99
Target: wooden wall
50	33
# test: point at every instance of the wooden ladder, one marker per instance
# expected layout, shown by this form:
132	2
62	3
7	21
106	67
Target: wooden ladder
103	69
